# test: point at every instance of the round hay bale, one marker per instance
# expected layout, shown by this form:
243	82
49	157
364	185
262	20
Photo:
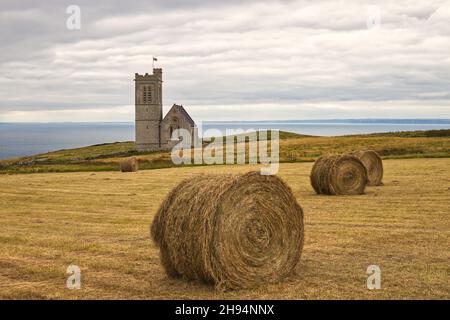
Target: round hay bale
233	231
338	174
129	165
374	166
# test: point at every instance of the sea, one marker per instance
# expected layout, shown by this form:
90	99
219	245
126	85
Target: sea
23	139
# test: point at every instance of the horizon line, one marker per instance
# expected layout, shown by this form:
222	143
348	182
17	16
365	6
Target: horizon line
242	121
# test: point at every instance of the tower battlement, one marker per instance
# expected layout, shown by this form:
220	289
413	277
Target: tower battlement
157	75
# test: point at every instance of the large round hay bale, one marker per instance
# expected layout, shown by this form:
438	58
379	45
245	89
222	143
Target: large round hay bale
233	231
374	165
129	165
338	174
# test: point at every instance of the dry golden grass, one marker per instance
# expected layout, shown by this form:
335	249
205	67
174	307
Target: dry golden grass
100	222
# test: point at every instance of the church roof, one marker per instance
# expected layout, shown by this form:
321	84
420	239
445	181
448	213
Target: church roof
183	112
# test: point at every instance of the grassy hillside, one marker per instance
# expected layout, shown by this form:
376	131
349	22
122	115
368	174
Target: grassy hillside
100	222
293	148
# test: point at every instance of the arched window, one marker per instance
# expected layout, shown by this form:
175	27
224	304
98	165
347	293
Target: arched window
146	94
149	94
180	138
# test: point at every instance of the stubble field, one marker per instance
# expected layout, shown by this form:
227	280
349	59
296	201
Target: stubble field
100	222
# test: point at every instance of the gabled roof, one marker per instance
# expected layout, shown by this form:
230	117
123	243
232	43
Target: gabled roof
183	112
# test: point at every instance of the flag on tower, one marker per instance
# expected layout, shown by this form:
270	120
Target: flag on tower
154	59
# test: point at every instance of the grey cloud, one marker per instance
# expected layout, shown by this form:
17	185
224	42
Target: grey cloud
225	54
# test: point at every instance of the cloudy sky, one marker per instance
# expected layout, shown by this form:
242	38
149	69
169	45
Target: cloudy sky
227	60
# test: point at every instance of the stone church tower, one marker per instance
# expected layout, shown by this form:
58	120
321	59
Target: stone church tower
152	131
148	102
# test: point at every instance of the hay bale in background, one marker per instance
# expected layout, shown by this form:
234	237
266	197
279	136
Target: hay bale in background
374	166
234	231
338	174
129	165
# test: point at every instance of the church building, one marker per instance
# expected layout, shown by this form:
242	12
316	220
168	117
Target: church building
153	132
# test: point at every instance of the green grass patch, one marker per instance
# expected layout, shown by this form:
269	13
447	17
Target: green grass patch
293	148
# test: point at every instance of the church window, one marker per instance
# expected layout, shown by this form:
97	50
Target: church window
148	95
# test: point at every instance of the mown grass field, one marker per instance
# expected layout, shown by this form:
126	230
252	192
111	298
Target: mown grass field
100	222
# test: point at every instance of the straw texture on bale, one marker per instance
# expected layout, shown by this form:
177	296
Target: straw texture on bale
374	166
233	231
338	175
129	165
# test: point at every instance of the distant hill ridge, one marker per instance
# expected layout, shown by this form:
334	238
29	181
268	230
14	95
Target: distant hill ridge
348	121
293	148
